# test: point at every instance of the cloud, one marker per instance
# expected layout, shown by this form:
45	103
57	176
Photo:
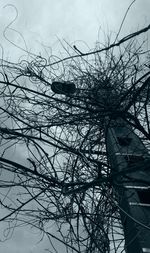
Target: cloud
75	21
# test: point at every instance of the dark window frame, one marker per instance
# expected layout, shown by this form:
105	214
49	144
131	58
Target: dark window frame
124	141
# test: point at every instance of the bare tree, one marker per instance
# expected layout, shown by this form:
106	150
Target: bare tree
64	175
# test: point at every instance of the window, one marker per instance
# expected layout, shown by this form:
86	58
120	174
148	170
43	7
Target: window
144	196
133	159
124	141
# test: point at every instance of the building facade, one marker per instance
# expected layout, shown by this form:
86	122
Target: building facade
130	163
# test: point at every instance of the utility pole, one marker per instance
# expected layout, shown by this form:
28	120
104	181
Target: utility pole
130	164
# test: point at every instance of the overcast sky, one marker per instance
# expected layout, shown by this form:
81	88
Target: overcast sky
80	21
45	22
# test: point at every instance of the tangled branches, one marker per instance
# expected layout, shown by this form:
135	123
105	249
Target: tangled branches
63	175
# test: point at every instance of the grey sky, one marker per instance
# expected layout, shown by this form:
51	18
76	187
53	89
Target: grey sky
76	21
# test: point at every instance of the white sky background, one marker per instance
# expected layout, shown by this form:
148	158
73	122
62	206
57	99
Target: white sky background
79	22
76	21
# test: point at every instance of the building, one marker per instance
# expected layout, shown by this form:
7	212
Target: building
130	162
